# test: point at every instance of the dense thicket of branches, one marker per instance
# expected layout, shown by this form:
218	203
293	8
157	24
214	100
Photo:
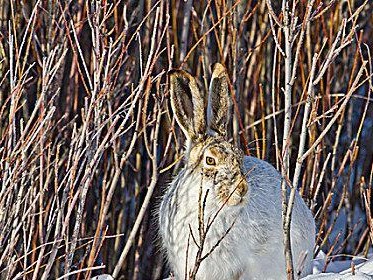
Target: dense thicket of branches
88	142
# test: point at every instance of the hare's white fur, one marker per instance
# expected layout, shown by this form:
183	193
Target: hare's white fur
253	248
249	234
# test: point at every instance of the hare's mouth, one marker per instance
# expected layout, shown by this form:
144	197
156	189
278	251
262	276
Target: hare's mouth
210	173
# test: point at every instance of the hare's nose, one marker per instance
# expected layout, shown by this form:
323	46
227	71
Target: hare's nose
242	187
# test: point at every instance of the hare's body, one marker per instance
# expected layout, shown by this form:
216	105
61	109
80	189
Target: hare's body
253	248
221	216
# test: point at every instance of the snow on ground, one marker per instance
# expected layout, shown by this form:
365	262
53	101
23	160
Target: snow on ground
103	277
335	270
341	269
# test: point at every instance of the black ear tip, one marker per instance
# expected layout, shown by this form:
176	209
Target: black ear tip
173	72
179	75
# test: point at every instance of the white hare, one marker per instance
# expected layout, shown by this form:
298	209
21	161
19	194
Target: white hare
221	216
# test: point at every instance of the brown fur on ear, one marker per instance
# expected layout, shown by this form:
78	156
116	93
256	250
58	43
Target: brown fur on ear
219	104
188	104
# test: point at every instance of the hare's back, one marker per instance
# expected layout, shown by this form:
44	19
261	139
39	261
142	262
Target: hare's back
265	198
262	176
265	195
260	167
265	186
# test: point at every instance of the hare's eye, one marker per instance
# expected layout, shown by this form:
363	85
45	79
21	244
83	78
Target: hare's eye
210	161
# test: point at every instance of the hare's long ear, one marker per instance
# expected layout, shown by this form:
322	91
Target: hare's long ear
188	104
218	110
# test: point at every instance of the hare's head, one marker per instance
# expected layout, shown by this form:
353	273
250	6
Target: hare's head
208	149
